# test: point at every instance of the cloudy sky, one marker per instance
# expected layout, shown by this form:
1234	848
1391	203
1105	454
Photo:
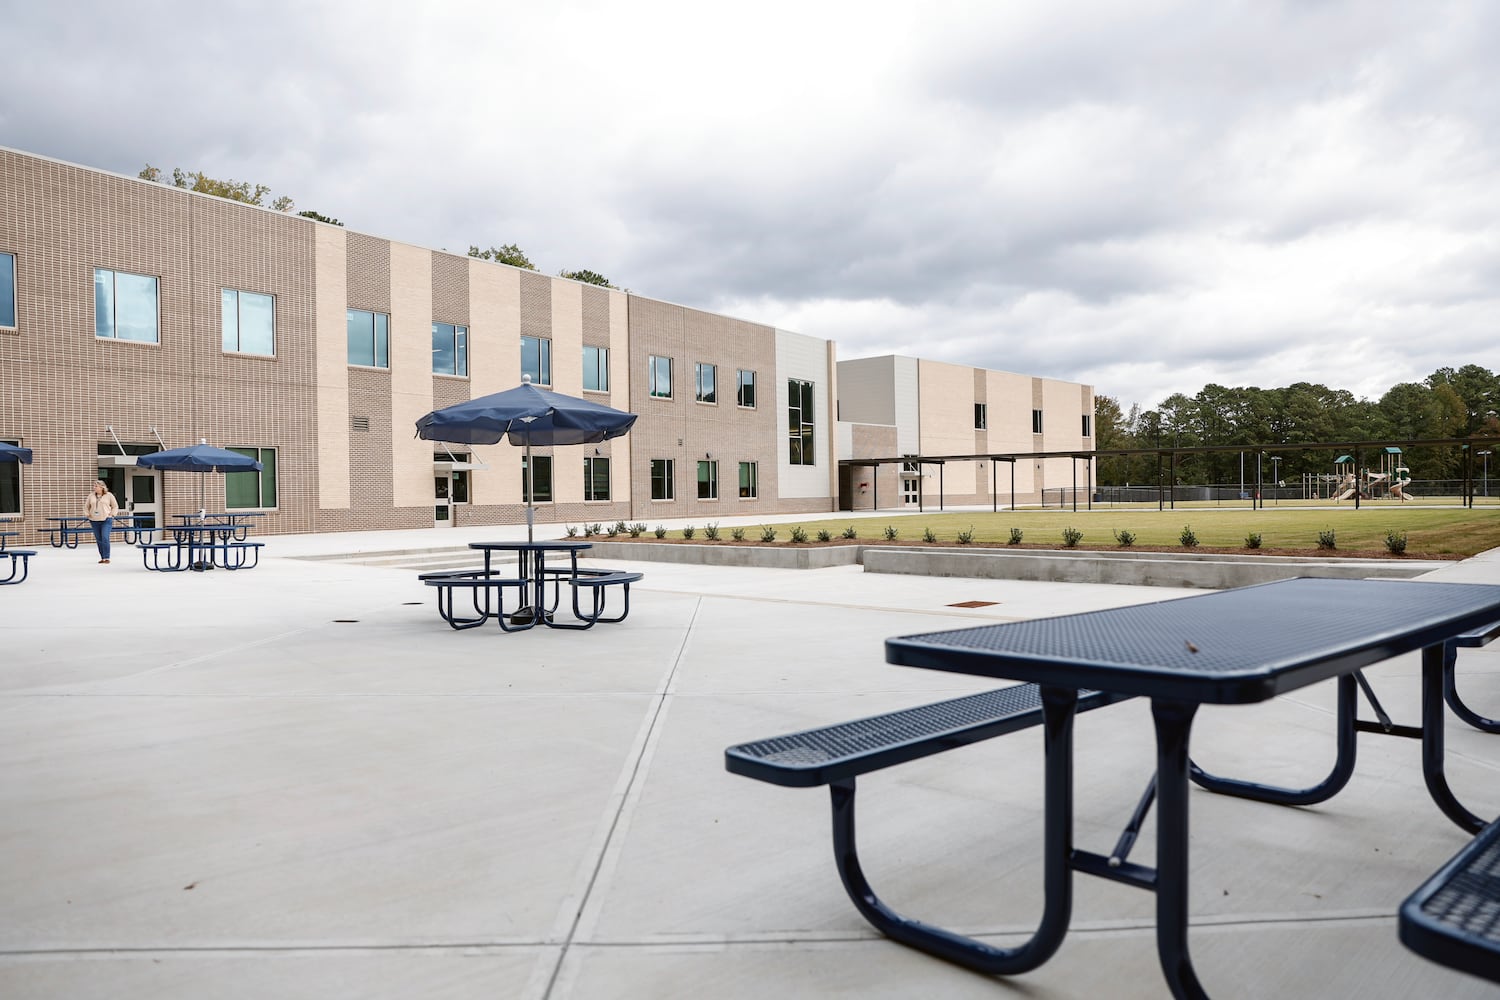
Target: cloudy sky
1146	196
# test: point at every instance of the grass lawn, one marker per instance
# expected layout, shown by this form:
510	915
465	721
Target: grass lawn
1444	533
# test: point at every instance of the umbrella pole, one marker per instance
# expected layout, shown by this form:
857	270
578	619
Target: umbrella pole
530	490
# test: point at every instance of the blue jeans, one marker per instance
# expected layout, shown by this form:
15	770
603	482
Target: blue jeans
102	530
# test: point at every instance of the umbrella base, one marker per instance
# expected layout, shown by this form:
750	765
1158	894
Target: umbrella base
521	616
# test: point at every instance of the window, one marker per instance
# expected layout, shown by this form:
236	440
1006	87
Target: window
10	483
450	349
536	359
252	489
8	290
801	449
369	338
708	480
595	478
661	479
1086	422
749	480
1036	421
249	322
745	388
460	487
708	378
125	306
536	487
981	416
596	368
659	375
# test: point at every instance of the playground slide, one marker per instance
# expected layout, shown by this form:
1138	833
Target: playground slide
1398	489
1346	494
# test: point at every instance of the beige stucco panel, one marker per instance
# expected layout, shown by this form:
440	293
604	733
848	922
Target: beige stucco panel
411	374
331	304
495	365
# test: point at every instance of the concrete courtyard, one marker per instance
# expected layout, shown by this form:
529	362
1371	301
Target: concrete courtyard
298	782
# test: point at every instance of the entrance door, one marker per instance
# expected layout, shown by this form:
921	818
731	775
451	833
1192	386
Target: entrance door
141	496
443	507
911	483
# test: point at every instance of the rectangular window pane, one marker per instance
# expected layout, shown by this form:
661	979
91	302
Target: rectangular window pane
135	307
461	350
596	368
981	416
1036	421
749	480
659	372
661	479
536	359
707	378
361	332
442	349
382	340
801	449
595	478
257	323
708	480
10	484
537	482
229	318
242	489
7	289
745	389
104	303
268	477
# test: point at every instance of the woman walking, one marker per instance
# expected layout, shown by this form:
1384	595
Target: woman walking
100	508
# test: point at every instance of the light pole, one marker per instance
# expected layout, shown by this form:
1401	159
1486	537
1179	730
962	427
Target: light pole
1485	476
1276	475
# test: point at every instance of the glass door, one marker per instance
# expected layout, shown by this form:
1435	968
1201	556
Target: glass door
443	506
140	497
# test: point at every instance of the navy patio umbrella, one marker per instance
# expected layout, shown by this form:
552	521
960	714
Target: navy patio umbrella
527	415
201	458
11	453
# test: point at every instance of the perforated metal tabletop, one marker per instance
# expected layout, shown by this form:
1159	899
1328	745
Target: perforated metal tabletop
1227	647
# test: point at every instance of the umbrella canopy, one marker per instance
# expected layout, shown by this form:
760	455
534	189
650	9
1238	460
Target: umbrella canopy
11	453
201	457
526	415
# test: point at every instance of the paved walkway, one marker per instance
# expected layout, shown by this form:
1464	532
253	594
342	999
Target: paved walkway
297	782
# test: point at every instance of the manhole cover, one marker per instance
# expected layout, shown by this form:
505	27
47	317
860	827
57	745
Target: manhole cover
974	604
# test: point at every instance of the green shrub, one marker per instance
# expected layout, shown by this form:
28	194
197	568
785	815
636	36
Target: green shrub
738	534
849	532
1326	539
620	528
637	529
711	531
1395	541
1015	536
1125	537
798	534
1252	540
1071	537
824	535
965	537
590	530
572	530
767	533
1188	537
614	530
660	532
890	533
928	535
688	531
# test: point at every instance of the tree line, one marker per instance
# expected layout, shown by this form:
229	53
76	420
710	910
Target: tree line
257	194
1449	403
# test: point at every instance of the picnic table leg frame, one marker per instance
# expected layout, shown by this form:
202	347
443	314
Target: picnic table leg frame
1451	696
1343	765
1058	708
1174	723
1434	671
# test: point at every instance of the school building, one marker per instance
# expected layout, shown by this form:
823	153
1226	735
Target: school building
136	317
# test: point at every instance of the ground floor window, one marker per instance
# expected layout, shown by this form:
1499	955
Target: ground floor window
536	483
708	480
749	480
661	479
252	489
10	483
595	478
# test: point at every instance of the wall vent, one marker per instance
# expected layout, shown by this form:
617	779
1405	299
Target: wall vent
360	423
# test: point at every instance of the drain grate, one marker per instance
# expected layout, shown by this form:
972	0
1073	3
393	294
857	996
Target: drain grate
974	604
346	621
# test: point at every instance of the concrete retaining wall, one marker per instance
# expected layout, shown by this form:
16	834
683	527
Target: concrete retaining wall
1151	569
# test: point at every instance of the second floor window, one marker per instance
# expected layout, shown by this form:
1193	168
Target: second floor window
536	359
745	388
125	306
802	449
1086	427
708	383
8	290
249	322
981	416
659	377
450	349
596	368
1036	421
369	338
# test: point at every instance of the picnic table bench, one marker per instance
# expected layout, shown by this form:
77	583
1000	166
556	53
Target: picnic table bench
487	596
20	563
1454	917
7	534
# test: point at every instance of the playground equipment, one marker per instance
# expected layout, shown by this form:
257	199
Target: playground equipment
1390	480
